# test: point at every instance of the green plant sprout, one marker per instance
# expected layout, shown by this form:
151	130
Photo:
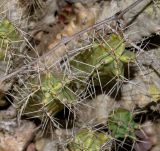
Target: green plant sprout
121	124
88	140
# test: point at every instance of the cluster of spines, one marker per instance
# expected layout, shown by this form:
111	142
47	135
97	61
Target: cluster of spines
57	90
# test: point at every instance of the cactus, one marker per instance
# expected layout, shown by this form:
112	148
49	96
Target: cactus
51	97
57	91
8	34
88	140
108	57
121	124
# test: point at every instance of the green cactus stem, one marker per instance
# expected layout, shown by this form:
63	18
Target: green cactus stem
7	31
54	93
88	140
121	124
8	34
108	57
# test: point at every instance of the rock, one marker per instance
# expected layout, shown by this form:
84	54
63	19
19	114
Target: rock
14	137
143	21
145	87
3	103
81	1
152	131
97	110
10	113
150	59
31	147
136	93
156	148
143	142
57	141
45	144
4	87
8	125
12	11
